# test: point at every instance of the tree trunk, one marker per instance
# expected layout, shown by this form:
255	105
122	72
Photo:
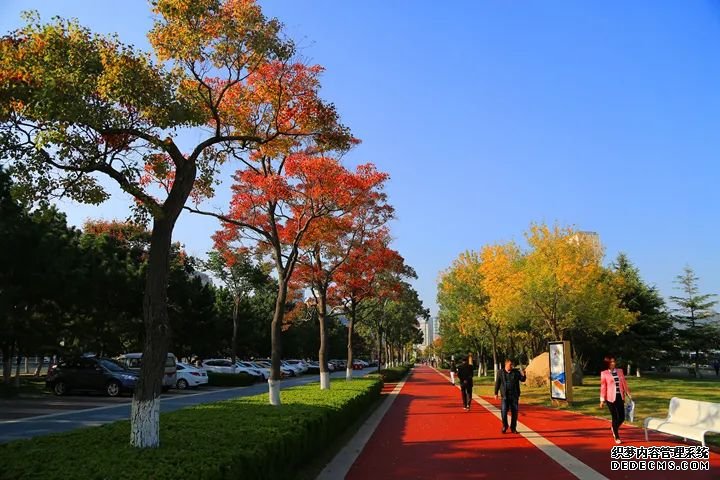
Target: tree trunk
697	364
379	350
275	339
351	327
236	314
637	369
495	359
40	364
18	361
7	363
145	411
322	354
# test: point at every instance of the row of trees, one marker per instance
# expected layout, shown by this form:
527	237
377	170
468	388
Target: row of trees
76	106
512	300
68	291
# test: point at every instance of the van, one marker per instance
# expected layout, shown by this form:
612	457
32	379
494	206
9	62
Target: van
133	361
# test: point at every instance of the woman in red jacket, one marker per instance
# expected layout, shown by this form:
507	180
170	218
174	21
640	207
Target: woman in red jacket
613	389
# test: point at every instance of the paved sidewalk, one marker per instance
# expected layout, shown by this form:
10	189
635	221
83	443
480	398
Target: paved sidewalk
426	434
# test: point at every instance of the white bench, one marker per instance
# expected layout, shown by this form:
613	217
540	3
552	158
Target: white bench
688	419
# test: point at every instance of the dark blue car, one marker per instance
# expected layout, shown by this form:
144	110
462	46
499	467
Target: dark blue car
91	375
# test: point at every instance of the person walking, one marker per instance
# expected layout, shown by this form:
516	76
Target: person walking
508	384
453	369
613	389
716	366
465	374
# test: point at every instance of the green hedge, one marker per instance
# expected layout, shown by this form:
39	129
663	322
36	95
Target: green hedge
394	374
242	438
241	379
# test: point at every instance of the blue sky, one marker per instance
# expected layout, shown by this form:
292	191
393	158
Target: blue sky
491	115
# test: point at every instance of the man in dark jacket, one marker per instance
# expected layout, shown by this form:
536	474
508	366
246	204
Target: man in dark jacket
508	384
465	374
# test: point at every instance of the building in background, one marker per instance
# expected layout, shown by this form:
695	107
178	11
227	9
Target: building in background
435	328
426	327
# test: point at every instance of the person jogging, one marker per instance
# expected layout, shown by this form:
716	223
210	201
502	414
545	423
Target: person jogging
465	374
508	384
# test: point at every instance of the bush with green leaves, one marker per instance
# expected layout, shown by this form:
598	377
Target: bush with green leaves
394	374
241	438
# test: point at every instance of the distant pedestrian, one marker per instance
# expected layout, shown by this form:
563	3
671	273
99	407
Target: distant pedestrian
508	384
613	389
453	369
716	366
465	374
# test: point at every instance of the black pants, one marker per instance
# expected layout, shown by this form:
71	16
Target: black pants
512	405
617	411
466	387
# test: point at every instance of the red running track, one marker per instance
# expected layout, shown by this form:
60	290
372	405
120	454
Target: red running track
426	434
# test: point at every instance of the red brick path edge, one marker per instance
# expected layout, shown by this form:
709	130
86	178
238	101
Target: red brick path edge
426	434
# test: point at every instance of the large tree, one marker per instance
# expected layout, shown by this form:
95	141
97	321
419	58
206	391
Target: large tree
330	243
76	106
692	314
466	305
361	278
276	202
558	283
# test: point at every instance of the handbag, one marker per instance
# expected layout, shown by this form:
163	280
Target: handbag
630	409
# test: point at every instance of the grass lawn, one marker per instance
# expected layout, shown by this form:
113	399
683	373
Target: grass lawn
239	438
29	386
651	394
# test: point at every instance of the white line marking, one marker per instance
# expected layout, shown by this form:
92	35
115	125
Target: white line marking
107	407
345	458
563	458
168	398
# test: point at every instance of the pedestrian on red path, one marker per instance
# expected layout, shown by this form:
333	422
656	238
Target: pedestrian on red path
453	369
508	384
613	389
465	374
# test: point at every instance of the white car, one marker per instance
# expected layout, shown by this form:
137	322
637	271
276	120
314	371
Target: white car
284	371
299	363
219	365
251	370
296	369
263	370
190	377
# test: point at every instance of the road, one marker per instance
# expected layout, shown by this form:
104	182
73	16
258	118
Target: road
28	427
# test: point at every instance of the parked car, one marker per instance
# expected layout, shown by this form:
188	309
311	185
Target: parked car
357	365
313	367
133	362
252	371
294	368
299	363
190	377
264	372
339	364
284	371
90	374
219	365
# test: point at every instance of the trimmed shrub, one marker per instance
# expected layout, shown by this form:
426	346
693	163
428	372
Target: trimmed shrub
241	438
394	374
241	379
